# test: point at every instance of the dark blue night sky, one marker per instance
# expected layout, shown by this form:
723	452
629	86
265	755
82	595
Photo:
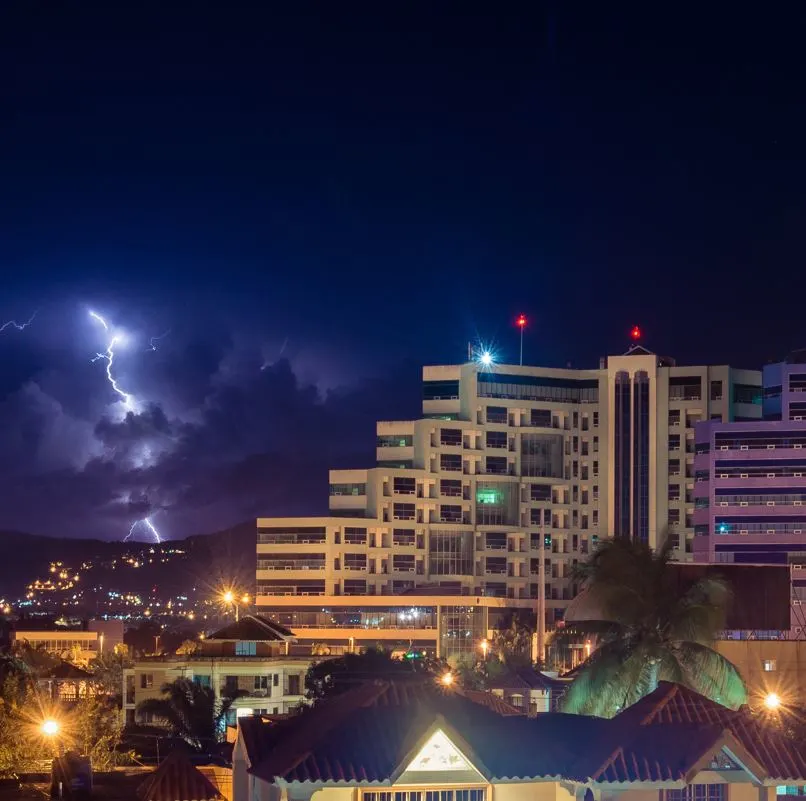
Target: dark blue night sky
315	199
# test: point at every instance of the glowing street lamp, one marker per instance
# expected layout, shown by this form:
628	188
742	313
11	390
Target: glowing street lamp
485	646
772	701
447	679
50	728
230	598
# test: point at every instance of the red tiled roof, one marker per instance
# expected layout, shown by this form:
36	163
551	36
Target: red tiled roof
781	757
176	779
660	754
253	627
492	702
364	734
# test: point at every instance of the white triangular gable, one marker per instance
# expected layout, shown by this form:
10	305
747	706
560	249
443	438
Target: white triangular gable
439	753
439	758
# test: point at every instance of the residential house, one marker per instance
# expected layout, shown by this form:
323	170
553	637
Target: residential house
390	741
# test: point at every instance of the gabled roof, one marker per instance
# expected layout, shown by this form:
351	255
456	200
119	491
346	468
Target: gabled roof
365	734
177	779
362	736
254	627
670	703
671	753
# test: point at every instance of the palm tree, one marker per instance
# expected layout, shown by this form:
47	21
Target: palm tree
191	711
647	628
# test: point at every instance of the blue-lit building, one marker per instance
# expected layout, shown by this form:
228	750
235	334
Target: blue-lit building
750	489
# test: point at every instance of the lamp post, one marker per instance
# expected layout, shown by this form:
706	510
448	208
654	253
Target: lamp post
229	597
51	729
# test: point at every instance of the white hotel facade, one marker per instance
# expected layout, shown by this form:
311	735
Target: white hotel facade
486	503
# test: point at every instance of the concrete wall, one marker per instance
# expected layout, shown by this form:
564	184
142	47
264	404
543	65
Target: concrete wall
788	678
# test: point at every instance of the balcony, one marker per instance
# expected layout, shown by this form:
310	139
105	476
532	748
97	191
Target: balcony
495	470
292	564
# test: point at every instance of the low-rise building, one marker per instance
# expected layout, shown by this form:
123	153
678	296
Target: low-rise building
389	741
251	656
80	646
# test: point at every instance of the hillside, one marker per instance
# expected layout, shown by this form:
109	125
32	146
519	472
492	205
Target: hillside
224	557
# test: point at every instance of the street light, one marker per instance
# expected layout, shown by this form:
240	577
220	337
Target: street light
485	646
229	597
50	728
447	679
772	701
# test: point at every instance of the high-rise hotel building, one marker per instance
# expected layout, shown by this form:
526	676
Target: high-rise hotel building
486	503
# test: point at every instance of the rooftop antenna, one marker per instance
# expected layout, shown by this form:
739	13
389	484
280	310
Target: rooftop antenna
521	323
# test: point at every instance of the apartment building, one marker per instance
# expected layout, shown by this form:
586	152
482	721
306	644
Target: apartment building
486	503
77	645
252	655
750	488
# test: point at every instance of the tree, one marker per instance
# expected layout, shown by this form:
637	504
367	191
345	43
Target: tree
334	676
91	727
108	667
513	641
191	711
647	628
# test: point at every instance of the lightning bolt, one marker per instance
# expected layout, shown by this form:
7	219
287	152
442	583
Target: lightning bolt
18	326
153	341
146	521
109	356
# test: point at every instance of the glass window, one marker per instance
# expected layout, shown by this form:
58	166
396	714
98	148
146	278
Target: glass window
716	390
348	489
450	436
451	461
497	414
698	792
746	393
770	665
496	439
395	440
245	648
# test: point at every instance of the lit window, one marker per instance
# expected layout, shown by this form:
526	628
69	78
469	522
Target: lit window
769	665
245	648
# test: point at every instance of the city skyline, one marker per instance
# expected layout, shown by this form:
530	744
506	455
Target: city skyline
288	214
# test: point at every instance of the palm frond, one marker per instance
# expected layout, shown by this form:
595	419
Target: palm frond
599	688
709	673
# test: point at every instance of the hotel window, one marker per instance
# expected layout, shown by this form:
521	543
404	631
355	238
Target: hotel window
245	648
450	436
146	681
716	390
696	792
496	439
769	665
450	461
596	419
262	682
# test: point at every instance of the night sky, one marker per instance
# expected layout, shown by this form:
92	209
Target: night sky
309	201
